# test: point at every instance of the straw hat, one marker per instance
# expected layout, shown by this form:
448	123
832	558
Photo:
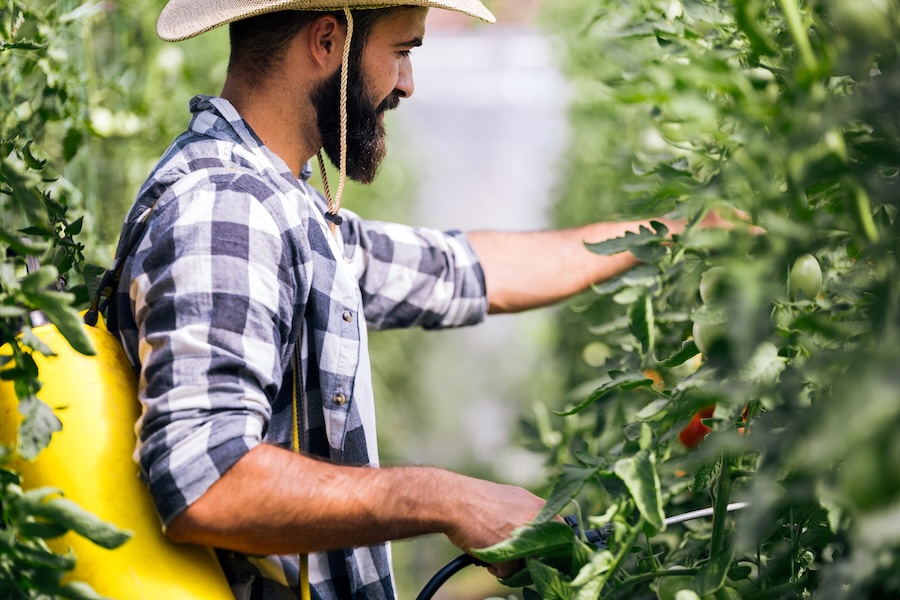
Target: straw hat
182	19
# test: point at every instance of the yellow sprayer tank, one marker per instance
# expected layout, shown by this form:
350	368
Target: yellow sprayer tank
95	397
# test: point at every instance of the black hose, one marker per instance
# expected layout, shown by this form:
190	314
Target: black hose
450	569
597	537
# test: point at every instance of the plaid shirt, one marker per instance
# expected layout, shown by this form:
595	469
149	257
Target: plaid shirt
235	271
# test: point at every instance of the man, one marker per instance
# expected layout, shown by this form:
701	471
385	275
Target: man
245	306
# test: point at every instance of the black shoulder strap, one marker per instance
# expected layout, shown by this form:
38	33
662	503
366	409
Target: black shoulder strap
110	281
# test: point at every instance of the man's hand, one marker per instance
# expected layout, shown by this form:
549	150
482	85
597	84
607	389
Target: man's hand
488	514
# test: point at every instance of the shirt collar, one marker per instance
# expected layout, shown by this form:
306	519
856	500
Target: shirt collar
227	124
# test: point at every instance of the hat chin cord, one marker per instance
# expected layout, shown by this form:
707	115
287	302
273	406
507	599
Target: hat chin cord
334	203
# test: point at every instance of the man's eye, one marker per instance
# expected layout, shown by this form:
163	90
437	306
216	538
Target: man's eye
405	53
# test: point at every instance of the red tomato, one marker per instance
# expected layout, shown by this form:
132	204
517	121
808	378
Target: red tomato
695	431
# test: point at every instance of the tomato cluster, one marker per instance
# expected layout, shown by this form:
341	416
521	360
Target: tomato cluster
695	431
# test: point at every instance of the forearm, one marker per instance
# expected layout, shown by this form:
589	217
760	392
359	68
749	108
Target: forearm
530	269
276	502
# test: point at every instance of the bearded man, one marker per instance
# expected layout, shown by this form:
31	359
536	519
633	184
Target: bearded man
246	296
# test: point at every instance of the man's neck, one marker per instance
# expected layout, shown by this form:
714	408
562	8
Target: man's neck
285	122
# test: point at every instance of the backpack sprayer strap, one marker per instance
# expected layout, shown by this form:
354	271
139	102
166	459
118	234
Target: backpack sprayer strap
110	280
303	591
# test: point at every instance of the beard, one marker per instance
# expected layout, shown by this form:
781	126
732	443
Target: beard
366	146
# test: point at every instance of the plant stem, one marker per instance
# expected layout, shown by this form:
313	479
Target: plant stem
795	24
650	551
793	546
624	551
720	506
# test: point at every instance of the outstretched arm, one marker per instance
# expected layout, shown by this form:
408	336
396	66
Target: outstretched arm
526	270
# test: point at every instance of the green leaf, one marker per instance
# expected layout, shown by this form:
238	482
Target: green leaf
641	276
27	502
40	279
546	539
706	473
567	486
590	577
640	477
71	144
12	312
25	248
82	12
652	409
646	245
624	380
550	583
78	590
37	426
7	477
74	228
66	513
38	230
21	46
38	557
32	341
688	351
765	365
641	323
41	530
58	309
29	158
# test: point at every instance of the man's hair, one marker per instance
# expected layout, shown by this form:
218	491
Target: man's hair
259	43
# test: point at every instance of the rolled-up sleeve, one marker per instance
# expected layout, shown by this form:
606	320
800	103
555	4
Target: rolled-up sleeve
212	292
414	276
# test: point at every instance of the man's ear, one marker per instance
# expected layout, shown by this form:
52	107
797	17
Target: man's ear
325	43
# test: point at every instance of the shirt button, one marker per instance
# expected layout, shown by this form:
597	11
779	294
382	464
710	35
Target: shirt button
340	399
348	316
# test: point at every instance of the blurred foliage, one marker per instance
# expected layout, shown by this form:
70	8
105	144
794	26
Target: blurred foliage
44	128
785	110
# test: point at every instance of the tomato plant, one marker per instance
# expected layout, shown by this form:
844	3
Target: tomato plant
784	110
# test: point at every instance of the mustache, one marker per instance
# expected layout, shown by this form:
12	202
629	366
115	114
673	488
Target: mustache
389	103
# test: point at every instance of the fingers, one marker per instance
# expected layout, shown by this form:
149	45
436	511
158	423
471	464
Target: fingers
506	569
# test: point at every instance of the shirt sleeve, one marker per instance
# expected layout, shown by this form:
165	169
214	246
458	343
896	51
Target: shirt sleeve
414	276
212	288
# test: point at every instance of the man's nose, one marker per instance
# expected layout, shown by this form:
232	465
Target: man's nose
405	85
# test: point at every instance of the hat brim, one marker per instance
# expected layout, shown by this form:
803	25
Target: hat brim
183	19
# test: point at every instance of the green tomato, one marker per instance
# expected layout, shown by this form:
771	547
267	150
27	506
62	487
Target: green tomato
806	277
668	587
742	588
707	334
711	283
679	588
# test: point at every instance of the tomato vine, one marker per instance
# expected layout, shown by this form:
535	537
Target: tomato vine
782	109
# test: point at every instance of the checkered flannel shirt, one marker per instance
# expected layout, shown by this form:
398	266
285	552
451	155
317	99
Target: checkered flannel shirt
235	270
